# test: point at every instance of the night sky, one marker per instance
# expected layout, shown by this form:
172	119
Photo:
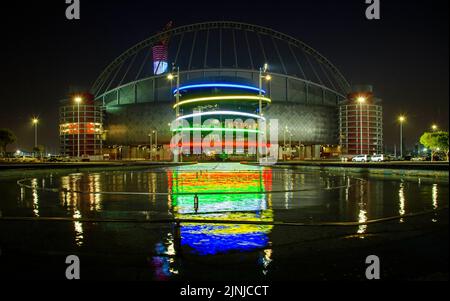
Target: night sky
45	56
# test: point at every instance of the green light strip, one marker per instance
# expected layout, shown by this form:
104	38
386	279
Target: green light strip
215	129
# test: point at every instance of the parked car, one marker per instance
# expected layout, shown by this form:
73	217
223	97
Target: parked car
377	158
360	158
55	159
419	159
27	159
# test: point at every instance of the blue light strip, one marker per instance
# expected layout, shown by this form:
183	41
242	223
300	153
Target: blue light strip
233	113
220	85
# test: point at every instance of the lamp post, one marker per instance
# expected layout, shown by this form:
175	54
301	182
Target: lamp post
434	127
361	100
156	143
171	77
401	119
153	132
151	146
262	75
35	123
78	100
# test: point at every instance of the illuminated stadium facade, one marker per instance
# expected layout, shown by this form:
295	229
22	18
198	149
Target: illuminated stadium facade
304	92
219	118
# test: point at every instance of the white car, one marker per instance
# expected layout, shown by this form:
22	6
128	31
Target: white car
360	158
377	158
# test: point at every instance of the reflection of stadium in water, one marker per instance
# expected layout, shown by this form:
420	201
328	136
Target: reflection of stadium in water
206	239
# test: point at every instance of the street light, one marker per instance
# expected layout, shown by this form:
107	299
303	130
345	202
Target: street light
151	146
361	100
154	132
262	75
401	119
156	140
171	77
35	122
434	127
78	100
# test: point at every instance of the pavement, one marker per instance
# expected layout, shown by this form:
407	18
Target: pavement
72	165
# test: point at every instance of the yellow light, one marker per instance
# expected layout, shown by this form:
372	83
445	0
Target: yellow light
35	120
434	127
170	76
361	99
402	118
237	97
78	99
268	77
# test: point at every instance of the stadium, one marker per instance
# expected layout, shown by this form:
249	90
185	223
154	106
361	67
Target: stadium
139	101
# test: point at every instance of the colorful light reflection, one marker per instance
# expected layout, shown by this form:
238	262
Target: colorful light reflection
209	239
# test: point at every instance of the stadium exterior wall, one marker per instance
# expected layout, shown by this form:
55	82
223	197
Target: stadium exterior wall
133	110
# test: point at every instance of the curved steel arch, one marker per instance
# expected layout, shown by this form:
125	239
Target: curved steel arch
218	25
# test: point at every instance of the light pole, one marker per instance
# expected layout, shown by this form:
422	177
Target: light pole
156	143
401	119
290	140
78	100
434	127
35	123
361	100
170	77
151	146
262	75
153	132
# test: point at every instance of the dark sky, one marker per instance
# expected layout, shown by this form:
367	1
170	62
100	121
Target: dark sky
404	55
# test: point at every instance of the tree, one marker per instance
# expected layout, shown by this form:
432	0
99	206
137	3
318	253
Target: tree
39	149
436	142
6	137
